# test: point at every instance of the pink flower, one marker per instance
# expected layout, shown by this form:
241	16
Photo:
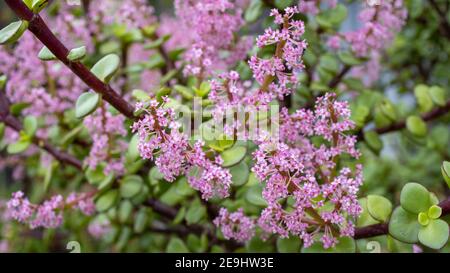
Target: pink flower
213	24
380	24
235	225
19	208
334	42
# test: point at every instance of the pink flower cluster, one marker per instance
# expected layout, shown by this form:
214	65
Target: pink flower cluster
276	74
99	227
214	23
235	225
73	31
105	129
324	197
380	23
159	134
33	82
136	14
313	6
49	214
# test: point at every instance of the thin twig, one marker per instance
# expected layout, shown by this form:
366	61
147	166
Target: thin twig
12	122
433	114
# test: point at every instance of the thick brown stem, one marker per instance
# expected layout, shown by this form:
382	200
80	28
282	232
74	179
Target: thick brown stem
383	228
38	27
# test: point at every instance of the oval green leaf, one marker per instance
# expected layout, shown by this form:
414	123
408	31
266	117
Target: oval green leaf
288	245
437	94
239	174
403	226
106	200
12	32
46	55
176	245
445	169
105	68
416	126
415	198
233	156
435	234
86	104
19	146
130	186
30	125
379	207
77	54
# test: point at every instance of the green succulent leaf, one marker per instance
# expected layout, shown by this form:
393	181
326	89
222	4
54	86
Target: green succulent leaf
240	174
86	104
184	91
388	109
195	213
176	245
423	219
46	55
404	226
130	186
106	182
106	200
435	234
133	151
30	125
140	95
38	5
423	98
95	176
434	212
16	108
289	245
3	81
365	219
415	198
12	32
125	210
254	11
379	207
373	140
348	58
445	169
2	130
106	67
141	220
254	196
77	54
18	147
416	126
233	156
437	94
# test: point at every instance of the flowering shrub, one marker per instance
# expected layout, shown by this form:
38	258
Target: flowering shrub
225	126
